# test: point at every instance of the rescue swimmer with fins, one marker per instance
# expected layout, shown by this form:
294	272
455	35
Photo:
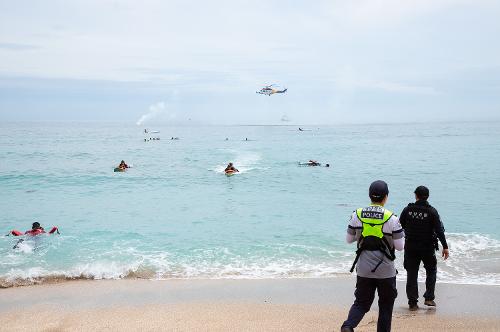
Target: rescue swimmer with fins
312	163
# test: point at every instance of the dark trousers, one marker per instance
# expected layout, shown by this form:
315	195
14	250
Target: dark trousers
412	264
365	294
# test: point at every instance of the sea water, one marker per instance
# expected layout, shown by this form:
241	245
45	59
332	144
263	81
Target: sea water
175	214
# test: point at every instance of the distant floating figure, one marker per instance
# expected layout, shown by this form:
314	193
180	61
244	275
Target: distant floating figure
151	138
310	163
270	90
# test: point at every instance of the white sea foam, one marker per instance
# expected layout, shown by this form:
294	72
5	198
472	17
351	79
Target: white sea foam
474	259
25	246
243	161
247	161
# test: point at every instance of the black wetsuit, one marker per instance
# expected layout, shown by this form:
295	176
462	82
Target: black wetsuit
423	227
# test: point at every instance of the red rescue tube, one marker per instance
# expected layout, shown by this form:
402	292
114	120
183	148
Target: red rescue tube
16	233
54	229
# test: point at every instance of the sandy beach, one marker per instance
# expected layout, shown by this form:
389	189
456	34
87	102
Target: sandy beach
231	305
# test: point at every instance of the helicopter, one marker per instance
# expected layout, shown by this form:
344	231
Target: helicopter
270	90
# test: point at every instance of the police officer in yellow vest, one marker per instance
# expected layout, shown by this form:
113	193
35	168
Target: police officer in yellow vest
378	233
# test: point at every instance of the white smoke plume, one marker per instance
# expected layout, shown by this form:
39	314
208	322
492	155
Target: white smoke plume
163	111
158	110
154	111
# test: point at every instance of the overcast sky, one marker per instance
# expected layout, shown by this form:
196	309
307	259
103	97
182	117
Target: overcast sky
342	61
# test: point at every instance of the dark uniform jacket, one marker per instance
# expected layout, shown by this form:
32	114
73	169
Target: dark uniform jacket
422	227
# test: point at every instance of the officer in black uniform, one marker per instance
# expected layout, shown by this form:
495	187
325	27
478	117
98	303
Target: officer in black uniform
423	228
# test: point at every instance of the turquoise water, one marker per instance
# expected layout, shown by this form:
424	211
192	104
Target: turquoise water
176	215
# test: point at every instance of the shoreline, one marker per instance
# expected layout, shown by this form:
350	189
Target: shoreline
231	304
59	279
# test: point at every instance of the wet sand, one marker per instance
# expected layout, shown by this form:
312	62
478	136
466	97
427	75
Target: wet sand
232	305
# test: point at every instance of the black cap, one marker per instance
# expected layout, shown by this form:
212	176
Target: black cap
35	225
378	189
422	192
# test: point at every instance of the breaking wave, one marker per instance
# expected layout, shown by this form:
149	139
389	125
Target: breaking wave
474	259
